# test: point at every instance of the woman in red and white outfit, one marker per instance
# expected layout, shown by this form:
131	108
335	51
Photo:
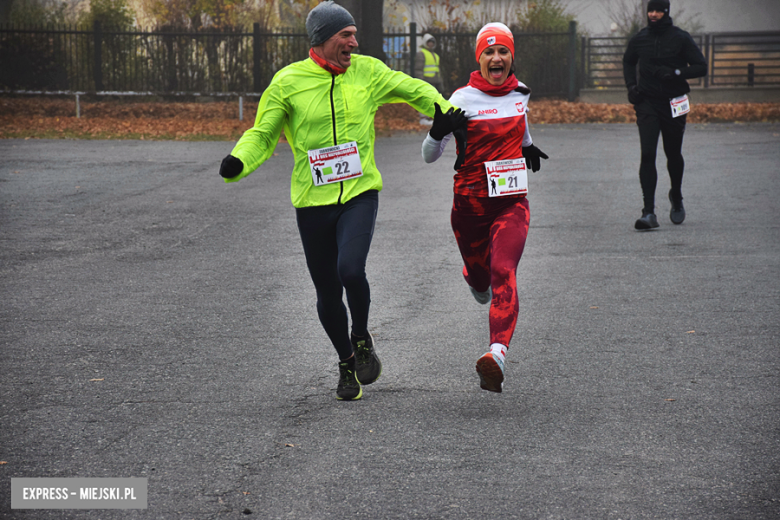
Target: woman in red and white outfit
490	212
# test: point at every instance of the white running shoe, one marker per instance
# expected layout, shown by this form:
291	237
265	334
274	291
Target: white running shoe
491	373
481	297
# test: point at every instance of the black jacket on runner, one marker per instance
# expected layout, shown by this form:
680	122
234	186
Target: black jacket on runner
667	57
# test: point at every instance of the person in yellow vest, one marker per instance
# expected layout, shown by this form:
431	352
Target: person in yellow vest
426	67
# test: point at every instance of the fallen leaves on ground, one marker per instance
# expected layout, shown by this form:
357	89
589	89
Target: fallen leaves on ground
55	117
552	112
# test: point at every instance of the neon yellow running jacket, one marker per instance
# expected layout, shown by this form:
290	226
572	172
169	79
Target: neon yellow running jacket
318	109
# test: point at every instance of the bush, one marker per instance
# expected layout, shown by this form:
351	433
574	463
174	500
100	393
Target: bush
31	64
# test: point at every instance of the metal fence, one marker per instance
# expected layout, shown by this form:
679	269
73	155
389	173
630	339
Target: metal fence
237	62
743	59
546	62
70	59
208	62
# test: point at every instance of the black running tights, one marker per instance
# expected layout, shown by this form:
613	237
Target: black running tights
654	119
336	240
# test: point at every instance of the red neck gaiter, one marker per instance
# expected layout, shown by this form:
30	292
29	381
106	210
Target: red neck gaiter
478	82
325	64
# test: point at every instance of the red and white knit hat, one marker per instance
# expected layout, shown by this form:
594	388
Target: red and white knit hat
495	33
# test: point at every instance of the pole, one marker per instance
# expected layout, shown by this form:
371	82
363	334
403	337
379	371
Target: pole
412	46
707	58
583	56
98	72
572	60
256	58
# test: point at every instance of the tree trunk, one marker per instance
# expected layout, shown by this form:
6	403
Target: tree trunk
372	28
5	11
368	19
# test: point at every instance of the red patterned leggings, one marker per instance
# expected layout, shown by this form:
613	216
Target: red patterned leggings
491	235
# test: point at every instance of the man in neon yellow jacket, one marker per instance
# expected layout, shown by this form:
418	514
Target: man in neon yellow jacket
326	106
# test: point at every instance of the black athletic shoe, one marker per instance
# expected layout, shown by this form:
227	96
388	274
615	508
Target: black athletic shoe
369	368
349	387
677	215
648	221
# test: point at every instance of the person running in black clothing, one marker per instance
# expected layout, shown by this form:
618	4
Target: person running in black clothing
667	57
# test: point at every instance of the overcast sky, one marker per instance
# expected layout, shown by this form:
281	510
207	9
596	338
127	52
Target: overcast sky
716	15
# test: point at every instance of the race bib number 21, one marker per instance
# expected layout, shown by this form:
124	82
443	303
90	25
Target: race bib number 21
506	177
335	164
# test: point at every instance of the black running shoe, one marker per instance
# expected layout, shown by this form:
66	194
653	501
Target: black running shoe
677	214
369	368
648	221
349	387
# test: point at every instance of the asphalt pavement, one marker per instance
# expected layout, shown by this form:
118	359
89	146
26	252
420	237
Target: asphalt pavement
158	323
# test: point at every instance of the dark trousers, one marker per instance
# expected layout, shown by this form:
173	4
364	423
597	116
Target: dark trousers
654	118
336	240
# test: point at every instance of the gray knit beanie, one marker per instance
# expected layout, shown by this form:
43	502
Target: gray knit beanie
325	20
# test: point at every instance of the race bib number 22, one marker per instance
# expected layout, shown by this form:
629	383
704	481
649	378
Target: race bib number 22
335	164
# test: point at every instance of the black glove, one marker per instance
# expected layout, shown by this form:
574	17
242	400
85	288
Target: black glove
634	96
663	73
461	138
231	166
532	155
446	123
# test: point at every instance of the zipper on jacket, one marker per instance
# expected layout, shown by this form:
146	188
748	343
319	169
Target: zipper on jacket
333	119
